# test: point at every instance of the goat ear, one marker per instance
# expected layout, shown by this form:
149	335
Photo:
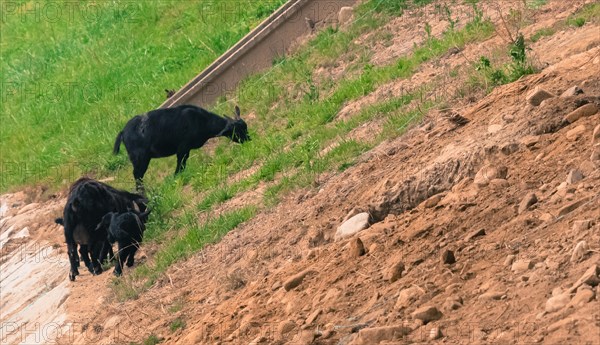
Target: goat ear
75	205
237	113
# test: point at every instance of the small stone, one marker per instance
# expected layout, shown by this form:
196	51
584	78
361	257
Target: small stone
530	140
595	157
581	225
557	291
579	251
596	136
395	272
492	295
448	257
357	248
572	91
529	200
494	128
556	303
295	280
408	296
276	285
582	297
499	183
452	303
474	234
546	217
585	110
345	15
574	176
312	317
509	148
509	260
427	314
522	266
536	96
575	133
432	201
435	333
352	226
377	335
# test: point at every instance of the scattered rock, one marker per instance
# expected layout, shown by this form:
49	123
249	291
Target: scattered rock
345	15
579	251
509	148
352	226
581	225
432	201
435	333
494	128
376	335
474	234
395	272
522	266
509	260
529	200
595	157
574	176
596	136
572	91
285	327
452	303
276	285
536	96
312	317
556	303
448	257
499	183
357	248
575	133
427	314
585	110
295	280
408	296
582	297
488	173
530	140
590	277
546	217
571	207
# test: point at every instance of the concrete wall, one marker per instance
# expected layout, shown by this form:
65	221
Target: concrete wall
257	50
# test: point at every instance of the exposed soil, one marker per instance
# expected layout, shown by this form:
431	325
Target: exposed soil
513	277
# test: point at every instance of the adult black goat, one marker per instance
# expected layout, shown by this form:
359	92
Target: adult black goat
127	229
88	201
83	250
165	132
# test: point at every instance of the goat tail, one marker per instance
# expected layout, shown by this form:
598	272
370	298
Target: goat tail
118	141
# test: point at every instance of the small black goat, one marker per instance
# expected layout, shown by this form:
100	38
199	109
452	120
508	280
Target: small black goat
84	252
88	201
127	229
165	132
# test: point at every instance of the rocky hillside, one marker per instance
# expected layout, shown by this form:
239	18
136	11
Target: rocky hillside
479	225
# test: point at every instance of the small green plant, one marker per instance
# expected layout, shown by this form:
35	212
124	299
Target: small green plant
151	340
451	22
177	324
577	22
428	31
542	33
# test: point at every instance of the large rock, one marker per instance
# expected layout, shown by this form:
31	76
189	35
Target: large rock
427	314
295	280
572	91
590	277
574	176
395	272
376	335
596	136
579	251
556	303
520	266
582	297
529	200
574	133
352	226
488	173
536	96
585	110
408	296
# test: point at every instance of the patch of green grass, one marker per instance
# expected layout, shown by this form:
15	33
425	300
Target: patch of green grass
542	33
577	22
152	340
178	323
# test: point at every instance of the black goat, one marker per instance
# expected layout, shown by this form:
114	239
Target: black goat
127	229
165	132
88	201
83	250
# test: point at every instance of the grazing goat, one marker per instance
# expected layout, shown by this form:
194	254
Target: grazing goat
127	229
88	201
165	132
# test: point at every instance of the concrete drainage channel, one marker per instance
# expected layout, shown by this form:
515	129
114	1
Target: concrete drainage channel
257	50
